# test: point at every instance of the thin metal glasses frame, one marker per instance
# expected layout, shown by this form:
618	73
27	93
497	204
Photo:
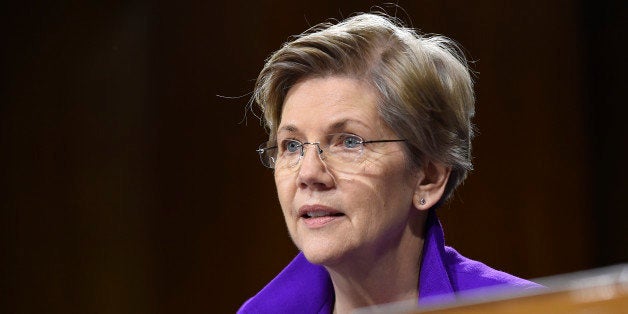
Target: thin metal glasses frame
261	150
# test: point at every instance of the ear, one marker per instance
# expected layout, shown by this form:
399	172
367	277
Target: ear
430	185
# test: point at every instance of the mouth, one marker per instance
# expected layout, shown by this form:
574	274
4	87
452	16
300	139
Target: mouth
318	215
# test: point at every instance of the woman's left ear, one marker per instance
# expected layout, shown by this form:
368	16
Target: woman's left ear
431	185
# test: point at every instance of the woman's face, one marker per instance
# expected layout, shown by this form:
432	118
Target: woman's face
333	214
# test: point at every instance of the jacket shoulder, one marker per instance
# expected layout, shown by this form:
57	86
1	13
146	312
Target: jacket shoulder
468	274
301	287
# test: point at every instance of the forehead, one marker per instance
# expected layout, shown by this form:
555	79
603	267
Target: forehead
328	103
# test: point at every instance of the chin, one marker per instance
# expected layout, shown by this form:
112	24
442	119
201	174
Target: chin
321	259
323	252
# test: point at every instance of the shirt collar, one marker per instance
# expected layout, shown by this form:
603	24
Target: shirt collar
434	282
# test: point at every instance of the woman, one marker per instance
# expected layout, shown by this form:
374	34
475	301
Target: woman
370	131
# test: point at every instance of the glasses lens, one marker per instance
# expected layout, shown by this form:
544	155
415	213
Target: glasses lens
289	155
345	148
267	155
342	152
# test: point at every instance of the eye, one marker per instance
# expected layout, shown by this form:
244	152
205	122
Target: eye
350	141
291	146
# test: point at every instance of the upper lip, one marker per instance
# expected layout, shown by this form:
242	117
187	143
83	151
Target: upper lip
305	209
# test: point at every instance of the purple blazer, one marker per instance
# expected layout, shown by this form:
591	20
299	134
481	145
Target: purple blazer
303	287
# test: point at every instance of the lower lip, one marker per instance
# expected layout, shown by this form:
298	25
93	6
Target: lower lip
319	222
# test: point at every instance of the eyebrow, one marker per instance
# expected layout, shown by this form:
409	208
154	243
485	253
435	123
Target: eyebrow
288	128
344	122
338	125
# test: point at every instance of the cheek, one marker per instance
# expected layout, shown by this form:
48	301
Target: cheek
367	197
392	192
285	191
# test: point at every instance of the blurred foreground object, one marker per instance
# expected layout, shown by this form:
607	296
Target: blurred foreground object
603	290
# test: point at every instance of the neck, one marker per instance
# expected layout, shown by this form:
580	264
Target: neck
380	277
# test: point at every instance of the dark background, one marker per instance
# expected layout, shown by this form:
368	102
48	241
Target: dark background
130	186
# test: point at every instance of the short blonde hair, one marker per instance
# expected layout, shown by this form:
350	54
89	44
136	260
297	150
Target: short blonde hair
423	82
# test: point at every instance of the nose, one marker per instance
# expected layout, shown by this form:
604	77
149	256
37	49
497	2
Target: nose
318	148
313	172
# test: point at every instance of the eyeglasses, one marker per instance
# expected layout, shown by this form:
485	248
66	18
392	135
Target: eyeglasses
339	151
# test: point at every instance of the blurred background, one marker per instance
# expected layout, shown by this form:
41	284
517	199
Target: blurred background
130	182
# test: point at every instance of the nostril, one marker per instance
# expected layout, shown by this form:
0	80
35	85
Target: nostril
313	174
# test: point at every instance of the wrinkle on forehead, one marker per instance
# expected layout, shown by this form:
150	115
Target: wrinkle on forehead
333	127
331	104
